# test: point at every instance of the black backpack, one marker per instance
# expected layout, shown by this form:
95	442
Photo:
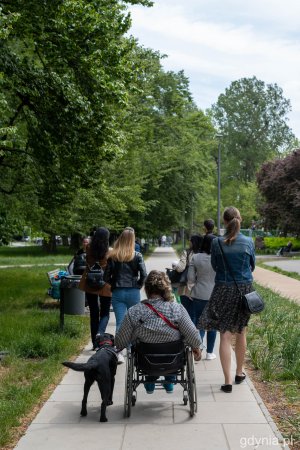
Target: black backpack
95	276
79	263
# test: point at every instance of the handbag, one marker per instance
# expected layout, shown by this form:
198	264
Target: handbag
95	276
184	276
252	302
173	275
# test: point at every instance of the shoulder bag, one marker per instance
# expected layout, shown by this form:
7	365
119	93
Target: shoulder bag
252	302
161	316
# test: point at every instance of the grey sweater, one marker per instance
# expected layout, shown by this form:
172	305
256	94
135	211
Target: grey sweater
201	276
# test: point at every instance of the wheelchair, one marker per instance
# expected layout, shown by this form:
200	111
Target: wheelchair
172	358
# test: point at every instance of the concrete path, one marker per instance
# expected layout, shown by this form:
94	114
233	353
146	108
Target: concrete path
290	265
283	285
158	421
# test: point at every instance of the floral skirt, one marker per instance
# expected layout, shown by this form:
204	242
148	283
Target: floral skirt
224	310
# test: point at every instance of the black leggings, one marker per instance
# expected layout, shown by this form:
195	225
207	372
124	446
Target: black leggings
99	315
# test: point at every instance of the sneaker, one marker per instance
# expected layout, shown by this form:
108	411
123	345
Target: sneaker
121	359
210	356
149	387
169	387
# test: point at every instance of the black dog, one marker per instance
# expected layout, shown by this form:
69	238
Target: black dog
101	367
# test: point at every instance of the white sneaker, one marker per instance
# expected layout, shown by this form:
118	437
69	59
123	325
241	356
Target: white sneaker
210	356
121	359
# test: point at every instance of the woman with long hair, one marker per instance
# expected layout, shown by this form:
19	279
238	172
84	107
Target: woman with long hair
126	273
232	257
98	299
143	324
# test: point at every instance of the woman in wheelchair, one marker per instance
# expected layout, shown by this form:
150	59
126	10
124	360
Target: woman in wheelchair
159	319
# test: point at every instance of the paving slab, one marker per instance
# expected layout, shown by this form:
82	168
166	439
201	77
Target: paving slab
223	421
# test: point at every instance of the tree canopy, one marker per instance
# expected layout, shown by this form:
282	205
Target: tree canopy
252	120
279	184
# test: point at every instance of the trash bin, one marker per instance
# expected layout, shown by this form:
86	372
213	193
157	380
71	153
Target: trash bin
73	298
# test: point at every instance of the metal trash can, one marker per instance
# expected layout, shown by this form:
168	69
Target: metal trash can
73	298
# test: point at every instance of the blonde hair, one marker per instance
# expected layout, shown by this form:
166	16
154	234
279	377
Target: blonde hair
233	220
123	249
158	283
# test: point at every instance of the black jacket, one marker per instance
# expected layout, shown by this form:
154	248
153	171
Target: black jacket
131	274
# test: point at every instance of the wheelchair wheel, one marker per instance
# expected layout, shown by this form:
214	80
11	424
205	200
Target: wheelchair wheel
191	382
128	399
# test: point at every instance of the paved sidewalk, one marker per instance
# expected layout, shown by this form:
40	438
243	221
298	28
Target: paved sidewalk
283	285
223	422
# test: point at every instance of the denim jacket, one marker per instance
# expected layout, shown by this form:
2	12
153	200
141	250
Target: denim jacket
240	257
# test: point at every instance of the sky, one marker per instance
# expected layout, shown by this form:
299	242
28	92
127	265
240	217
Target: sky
216	42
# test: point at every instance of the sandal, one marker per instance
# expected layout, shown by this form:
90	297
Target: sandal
240	378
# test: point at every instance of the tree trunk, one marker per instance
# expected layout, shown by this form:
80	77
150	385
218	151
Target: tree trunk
50	245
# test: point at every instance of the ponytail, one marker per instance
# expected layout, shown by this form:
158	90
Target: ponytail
233	219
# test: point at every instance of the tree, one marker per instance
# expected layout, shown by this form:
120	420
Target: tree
252	119
66	68
279	184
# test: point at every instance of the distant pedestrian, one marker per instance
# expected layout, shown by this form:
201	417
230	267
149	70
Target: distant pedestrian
163	240
137	246
224	311
209	226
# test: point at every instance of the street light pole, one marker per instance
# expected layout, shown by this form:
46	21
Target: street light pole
219	189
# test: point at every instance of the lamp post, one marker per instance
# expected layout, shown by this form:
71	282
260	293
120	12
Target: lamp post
219	136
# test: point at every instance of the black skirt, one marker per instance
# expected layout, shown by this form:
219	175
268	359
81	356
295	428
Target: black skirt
224	310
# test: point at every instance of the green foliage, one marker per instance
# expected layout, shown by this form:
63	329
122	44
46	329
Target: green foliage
274	338
279	185
252	119
277	242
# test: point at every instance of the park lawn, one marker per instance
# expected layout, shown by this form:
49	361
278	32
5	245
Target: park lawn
34	254
35	344
274	351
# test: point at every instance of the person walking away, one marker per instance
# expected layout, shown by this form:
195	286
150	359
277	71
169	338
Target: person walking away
224	311
163	240
184	261
143	324
98	299
201	281
77	264
126	273
209	226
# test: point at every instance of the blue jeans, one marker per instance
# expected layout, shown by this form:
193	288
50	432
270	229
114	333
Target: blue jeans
195	308
122	300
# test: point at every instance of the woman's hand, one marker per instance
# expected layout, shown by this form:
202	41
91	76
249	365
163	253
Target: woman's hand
197	352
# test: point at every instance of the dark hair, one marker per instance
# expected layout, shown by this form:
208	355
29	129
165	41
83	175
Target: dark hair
233	220
206	243
100	243
196	241
209	224
158	283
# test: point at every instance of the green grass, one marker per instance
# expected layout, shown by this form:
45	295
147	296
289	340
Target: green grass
35	344
33	255
274	347
276	269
